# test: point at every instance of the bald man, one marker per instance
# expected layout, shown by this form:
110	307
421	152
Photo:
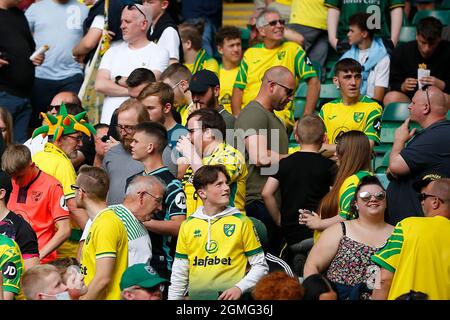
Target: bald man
264	137
416	256
428	150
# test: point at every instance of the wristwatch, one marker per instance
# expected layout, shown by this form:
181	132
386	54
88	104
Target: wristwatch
117	79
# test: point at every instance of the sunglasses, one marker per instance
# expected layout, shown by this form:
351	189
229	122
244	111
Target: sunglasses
289	91
56	107
422	196
131	6
366	196
273	23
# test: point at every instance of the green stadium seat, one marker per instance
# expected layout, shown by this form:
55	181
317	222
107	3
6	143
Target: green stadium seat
407	33
442	15
328	92
384	164
383	179
300	100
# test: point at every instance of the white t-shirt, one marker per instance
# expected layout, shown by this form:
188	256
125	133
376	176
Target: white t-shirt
139	243
379	76
120	60
36	144
98	22
171	41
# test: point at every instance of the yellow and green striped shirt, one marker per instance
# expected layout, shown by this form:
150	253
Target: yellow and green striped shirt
364	116
418	253
258	59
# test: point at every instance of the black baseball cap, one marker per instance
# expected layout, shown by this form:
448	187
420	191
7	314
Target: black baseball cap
425	180
204	79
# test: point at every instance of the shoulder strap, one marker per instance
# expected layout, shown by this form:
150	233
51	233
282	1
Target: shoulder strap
344	231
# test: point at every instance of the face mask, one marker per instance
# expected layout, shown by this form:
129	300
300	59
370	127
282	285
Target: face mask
59	296
63	296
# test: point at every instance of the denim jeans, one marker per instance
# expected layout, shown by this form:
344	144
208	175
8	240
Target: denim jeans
20	109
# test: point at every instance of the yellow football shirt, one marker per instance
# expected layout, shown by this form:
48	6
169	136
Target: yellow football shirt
11	266
364	116
107	238
310	13
53	161
418	253
236	168
203	61
222	264
258	59
226	78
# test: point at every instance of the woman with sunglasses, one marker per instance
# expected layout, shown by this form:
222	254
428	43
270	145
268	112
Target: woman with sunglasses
353	154
345	249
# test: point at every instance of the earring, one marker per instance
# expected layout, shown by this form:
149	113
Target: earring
356	207
337	87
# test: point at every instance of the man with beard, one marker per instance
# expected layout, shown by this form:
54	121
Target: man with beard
158	98
65	133
205	90
266	142
353	111
118	162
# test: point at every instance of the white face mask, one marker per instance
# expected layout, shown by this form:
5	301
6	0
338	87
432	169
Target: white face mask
59	296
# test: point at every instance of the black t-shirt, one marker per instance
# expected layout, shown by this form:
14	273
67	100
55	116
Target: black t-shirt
305	178
428	151
406	59
15	227
17	43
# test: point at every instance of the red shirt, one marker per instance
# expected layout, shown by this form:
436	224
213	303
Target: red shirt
41	203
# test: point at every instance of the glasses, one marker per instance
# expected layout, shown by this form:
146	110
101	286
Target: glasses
75	187
131	6
127	129
366	196
158	200
289	91
273	23
422	196
56	107
76	138
425	88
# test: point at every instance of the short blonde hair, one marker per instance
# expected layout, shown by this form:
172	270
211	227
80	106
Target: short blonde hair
34	280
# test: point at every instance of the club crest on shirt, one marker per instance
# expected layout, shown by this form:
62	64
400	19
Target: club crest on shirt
229	229
36	195
281	55
358	116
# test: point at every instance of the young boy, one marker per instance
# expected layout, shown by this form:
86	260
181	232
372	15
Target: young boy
303	179
215	245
